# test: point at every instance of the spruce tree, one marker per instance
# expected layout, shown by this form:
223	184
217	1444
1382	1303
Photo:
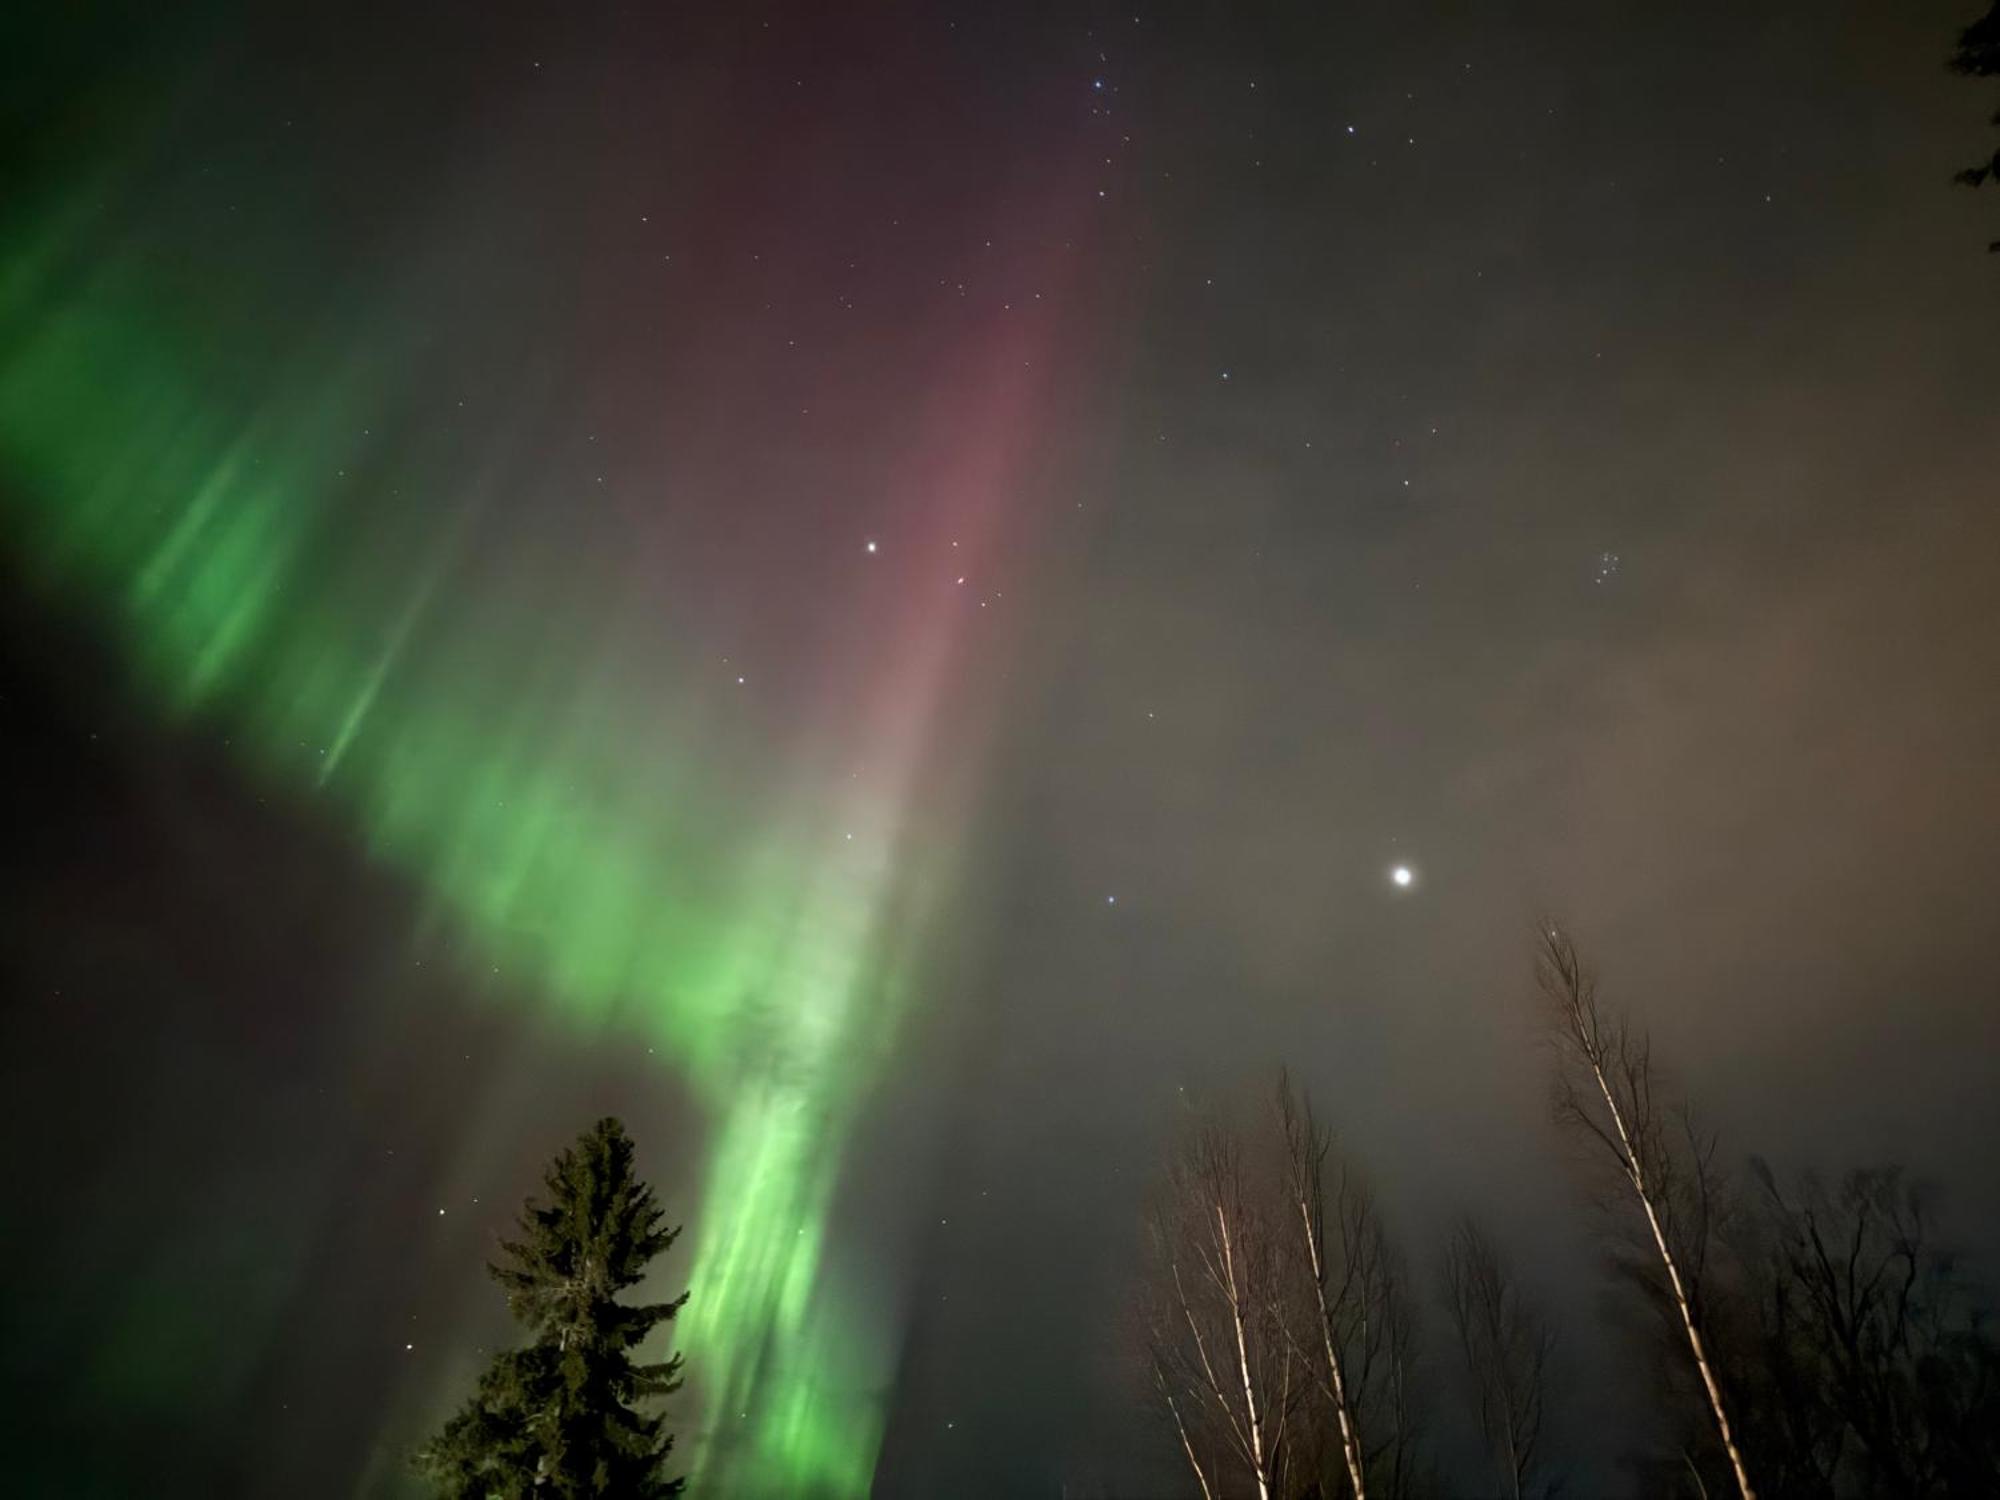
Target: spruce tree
558	1417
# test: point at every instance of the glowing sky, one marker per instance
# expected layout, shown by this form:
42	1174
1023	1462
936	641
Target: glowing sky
878	592
311	529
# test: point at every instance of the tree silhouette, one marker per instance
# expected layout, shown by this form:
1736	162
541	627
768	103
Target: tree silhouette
557	1418
1872	1359
1215	1333
1334	1290
1607	1091
1506	1344
1978	56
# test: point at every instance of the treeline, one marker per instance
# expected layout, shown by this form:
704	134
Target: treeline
1810	1339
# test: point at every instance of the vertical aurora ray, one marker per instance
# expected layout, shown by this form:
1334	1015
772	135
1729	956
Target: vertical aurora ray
510	742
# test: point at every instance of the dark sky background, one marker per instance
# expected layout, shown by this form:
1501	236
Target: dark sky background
1549	446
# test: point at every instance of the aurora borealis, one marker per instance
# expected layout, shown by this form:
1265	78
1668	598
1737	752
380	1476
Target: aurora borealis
359	588
882	590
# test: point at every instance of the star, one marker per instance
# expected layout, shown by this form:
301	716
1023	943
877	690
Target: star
1403	877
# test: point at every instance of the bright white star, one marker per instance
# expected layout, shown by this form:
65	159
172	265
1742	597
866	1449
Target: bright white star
1404	876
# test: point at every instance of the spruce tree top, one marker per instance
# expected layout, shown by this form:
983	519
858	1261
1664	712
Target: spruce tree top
587	1243
557	1418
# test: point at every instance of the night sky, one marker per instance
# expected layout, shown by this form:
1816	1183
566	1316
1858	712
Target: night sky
881	591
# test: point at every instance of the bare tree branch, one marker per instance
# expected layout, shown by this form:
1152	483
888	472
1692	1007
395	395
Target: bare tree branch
1605	1091
1219	1355
1880	1370
1506	1344
1306	1147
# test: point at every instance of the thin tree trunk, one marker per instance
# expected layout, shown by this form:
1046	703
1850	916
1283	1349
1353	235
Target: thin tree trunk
1636	1173
1304	1146
1700	1485
1256	1434
1207	1366
1187	1443
1635	1142
1350	1444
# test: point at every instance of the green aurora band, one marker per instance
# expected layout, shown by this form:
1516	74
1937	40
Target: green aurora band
200	505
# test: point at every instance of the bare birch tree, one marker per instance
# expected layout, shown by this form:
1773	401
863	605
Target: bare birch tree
1223	1366
1605	1092
1382	1349
1306	1148
1506	1344
1172	1394
1355	1325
